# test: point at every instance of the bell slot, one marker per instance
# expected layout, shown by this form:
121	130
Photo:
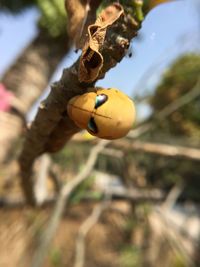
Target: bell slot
100	100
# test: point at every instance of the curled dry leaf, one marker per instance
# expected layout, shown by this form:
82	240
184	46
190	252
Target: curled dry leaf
91	60
89	19
81	13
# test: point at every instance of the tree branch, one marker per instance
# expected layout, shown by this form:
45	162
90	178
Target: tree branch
132	195
52	127
160	149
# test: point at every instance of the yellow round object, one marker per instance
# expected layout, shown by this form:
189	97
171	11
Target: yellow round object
106	113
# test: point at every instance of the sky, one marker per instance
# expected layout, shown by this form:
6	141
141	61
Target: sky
167	32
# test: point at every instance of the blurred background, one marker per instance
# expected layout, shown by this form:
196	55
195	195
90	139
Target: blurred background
148	184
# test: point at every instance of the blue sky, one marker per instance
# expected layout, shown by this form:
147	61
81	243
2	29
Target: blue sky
168	31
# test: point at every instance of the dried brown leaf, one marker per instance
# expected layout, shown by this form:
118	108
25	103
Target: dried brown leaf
81	13
91	60
89	19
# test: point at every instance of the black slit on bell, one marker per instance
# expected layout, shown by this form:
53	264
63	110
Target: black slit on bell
100	100
92	126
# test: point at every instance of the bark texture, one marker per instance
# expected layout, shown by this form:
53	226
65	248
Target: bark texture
27	78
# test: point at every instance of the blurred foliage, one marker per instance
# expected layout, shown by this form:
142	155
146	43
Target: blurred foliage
70	155
55	256
180	128
130	256
53	15
178	261
165	172
81	190
177	81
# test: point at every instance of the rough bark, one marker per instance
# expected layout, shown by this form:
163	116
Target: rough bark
52	126
27	78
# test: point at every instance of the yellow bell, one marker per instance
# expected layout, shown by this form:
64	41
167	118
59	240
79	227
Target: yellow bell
106	113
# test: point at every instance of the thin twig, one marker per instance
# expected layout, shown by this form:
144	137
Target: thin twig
116	153
172	196
137	195
41	190
42	250
133	195
83	231
160	149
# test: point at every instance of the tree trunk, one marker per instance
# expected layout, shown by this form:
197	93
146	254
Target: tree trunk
26	79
